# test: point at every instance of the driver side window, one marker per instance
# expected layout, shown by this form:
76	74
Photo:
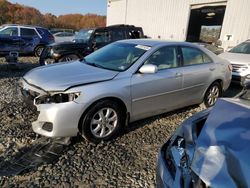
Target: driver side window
11	31
164	58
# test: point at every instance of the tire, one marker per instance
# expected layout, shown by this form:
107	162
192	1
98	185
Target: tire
70	57
38	50
97	125
212	94
45	56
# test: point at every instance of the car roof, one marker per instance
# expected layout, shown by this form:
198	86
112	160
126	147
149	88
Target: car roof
22	25
119	26
152	42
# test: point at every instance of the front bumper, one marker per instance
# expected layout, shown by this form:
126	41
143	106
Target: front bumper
63	118
164	178
54	119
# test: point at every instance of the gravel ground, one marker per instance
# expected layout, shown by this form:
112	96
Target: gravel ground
128	161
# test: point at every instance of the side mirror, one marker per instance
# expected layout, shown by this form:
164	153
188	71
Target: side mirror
246	82
148	69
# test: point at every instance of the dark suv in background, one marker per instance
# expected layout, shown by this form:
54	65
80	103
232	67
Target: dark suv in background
88	40
24	39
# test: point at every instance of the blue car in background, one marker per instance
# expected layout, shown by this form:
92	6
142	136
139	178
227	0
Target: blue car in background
24	39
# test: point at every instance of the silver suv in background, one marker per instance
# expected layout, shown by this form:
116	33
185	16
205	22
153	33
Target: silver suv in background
239	57
123	82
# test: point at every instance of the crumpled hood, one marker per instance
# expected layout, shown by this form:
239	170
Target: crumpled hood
61	76
236	58
221	157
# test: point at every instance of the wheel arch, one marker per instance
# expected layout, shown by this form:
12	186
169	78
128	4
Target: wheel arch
220	81
111	98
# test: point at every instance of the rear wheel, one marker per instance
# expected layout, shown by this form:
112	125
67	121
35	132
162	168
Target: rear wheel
103	121
70	57
212	94
38	50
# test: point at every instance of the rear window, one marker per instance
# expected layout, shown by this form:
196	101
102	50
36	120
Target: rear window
28	32
43	31
40	31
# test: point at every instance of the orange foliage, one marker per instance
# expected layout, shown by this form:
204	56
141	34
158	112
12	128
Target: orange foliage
19	14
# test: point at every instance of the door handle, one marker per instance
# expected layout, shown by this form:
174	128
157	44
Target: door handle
212	69
178	74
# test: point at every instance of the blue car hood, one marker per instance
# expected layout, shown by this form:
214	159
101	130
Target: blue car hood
61	76
221	157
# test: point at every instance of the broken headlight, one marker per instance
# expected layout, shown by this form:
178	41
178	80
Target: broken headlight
175	155
56	98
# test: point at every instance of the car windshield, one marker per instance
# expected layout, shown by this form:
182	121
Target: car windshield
116	56
84	34
243	48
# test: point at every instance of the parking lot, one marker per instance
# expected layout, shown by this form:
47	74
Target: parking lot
128	161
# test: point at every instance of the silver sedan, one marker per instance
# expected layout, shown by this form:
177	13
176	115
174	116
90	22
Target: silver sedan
121	83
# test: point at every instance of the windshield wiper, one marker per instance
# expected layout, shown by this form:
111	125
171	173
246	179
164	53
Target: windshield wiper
96	65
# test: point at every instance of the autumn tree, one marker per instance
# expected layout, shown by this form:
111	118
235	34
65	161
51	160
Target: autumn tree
19	14
4	17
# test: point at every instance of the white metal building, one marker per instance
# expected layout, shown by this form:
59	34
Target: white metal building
183	19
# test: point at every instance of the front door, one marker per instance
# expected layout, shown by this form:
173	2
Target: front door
9	40
156	93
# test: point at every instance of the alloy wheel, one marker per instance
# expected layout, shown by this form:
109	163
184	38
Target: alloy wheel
104	122
213	95
39	51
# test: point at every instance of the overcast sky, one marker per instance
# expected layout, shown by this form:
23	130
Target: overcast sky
60	7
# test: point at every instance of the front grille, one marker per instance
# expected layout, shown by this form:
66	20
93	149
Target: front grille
239	67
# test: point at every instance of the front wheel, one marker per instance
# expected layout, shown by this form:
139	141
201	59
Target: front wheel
45	58
38	51
212	94
102	122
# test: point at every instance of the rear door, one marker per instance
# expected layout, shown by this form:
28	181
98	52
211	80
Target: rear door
9	40
197	72
29	40
159	92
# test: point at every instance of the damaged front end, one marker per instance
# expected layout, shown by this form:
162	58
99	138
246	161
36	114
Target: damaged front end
210	149
175	157
58	115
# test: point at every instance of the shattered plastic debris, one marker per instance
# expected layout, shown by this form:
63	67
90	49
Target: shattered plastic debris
42	151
